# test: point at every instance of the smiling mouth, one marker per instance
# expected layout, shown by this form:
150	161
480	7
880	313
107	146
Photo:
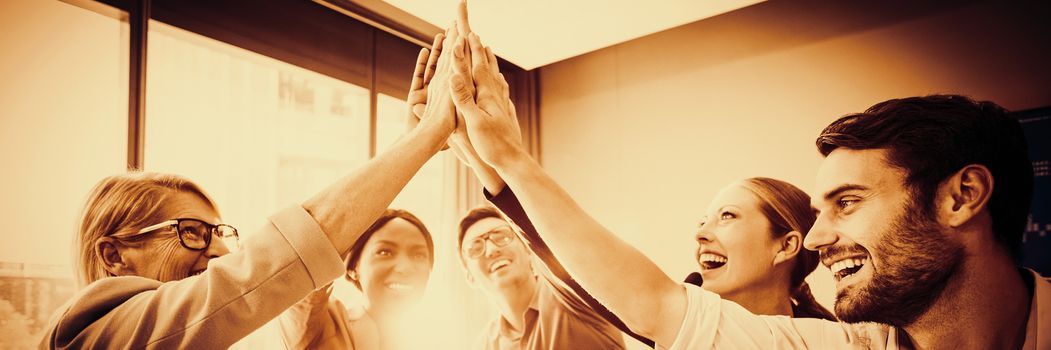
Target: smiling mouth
846	267
400	287
499	264
711	261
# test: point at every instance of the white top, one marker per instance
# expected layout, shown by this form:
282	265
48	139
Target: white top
712	322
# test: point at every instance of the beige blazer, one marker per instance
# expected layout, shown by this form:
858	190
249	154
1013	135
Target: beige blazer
239	293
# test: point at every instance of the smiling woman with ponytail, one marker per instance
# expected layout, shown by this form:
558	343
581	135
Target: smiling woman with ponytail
750	248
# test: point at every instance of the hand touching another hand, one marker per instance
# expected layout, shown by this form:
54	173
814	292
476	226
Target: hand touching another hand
438	110
426	64
459	140
481	94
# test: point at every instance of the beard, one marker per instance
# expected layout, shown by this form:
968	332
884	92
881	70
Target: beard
917	262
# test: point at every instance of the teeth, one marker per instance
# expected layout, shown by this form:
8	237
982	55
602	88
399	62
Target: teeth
706	257
399	286
844	264
498	264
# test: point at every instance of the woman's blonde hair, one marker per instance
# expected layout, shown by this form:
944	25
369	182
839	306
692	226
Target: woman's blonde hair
124	204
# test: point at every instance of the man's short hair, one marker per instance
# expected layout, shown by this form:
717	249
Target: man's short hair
932	137
472	217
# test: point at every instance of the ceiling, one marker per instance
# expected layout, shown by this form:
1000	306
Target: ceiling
535	33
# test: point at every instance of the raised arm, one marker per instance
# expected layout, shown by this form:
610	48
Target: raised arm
286	260
620	276
346	208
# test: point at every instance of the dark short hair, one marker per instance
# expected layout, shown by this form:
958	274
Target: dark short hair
388	215
932	137
473	216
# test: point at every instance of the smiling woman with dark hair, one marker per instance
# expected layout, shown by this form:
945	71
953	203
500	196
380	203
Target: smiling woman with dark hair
390	265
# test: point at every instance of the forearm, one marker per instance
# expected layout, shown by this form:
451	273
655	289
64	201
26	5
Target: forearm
305	322
617	274
489	178
346	208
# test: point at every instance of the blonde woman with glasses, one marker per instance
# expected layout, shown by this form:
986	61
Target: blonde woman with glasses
154	264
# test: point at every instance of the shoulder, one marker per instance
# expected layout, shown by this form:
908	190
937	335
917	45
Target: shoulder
110	292
1038	277
489	335
94	302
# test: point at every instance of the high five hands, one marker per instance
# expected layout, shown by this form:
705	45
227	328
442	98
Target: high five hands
482	96
466	74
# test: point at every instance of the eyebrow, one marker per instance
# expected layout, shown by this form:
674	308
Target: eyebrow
396	244
494	230
729	206
843	188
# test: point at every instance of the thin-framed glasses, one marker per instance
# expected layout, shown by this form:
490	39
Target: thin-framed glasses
500	237
195	234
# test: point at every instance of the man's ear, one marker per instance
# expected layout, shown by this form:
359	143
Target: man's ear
964	195
790	244
110	252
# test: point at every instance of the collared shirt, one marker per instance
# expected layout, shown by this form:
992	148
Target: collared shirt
556	319
712	322
238	293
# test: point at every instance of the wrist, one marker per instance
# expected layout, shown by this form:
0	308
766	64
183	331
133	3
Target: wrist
435	133
513	161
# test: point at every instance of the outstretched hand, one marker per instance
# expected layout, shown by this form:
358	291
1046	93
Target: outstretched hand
426	65
481	94
438	108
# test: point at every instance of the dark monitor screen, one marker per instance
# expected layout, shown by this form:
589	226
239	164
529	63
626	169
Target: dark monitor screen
1036	244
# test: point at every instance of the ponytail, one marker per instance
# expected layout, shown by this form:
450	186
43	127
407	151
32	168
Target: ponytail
805	306
788	209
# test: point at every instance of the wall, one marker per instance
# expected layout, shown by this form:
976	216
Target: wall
643	134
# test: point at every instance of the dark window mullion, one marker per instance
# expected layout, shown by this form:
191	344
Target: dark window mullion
138	19
373	99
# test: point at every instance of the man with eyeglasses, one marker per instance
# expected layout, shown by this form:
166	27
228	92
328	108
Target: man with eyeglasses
537	310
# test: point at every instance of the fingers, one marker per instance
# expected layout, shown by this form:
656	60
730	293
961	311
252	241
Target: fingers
462	91
460	65
432	60
494	67
478	59
505	89
492	60
463	25
418	72
449	39
418	109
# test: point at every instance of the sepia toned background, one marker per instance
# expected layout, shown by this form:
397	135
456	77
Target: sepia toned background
642	133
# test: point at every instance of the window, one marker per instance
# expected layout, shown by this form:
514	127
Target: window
262	105
258	134
63	126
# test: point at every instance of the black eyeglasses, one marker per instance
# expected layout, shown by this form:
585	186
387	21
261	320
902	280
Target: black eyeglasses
195	234
501	237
